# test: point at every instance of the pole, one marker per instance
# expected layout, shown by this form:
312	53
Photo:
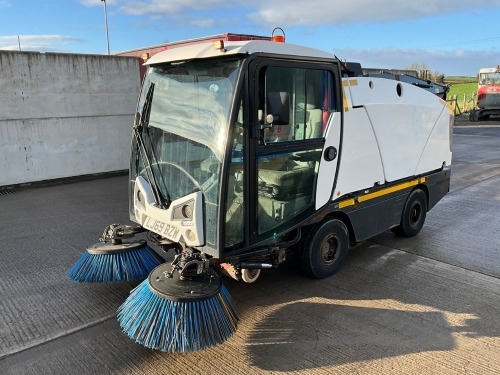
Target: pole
19	42
106	21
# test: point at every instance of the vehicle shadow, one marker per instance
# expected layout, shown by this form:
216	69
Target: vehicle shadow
381	304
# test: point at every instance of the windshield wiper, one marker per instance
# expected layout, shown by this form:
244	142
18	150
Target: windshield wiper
142	122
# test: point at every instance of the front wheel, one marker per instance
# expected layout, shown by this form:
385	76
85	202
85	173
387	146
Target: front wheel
325	249
414	214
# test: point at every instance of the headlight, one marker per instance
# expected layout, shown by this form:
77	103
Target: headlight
140	200
187	211
183	211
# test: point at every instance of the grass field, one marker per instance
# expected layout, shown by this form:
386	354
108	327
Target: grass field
465	90
451	79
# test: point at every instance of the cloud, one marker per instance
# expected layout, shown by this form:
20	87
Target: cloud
93	3
265	14
203	23
42	43
327	12
168	7
442	61
290	13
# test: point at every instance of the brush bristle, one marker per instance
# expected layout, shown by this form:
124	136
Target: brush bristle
177	326
124	266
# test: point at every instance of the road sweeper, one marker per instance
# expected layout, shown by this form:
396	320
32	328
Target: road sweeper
243	152
488	94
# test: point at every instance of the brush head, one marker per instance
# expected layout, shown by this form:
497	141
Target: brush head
171	286
171	314
105	262
111	248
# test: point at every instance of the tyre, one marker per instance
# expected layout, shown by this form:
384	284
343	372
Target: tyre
414	214
325	249
474	115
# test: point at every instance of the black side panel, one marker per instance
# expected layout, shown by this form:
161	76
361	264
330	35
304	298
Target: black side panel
438	185
378	217
374	216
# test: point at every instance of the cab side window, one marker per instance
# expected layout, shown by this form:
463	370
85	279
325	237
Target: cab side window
295	103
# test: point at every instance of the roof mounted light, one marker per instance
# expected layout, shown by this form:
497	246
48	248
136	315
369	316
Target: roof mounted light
219	44
278	38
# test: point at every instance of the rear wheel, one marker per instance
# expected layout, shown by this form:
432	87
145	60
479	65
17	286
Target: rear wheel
414	214
325	249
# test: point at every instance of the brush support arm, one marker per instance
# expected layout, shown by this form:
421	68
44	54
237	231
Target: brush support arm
115	233
190	264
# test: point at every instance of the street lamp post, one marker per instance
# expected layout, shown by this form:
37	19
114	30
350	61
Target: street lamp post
106	20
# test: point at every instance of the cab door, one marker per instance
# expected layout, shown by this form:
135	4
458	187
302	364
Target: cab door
291	111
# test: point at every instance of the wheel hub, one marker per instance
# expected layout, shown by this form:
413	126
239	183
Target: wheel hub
329	249
415	214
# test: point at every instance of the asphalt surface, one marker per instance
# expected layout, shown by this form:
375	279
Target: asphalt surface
429	304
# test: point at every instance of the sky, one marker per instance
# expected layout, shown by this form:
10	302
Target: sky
452	37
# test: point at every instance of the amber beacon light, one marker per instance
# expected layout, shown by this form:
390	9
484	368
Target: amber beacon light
278	38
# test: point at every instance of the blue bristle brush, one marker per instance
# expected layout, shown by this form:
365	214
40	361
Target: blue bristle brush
171	314
115	262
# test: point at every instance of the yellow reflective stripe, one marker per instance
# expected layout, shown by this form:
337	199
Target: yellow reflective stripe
344	98
347	203
347	82
346	105
376	194
448	105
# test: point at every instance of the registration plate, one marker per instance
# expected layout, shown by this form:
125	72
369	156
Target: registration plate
162	228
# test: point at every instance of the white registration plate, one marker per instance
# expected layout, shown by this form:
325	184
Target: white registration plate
162	228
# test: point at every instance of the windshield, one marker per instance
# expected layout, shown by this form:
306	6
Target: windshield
185	137
489	78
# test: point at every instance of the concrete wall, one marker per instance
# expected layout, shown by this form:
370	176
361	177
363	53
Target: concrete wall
64	115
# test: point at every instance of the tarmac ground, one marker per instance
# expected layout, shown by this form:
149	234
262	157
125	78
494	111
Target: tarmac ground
424	305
